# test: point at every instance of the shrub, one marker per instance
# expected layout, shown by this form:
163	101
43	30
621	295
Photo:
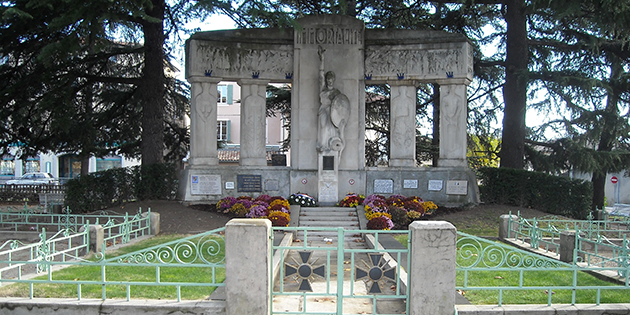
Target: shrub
351	200
551	194
113	187
257	211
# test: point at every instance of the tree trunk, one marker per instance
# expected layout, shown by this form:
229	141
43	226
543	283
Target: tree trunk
515	88
152	89
609	131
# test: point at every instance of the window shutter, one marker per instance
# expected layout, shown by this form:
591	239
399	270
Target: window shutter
229	133
230	91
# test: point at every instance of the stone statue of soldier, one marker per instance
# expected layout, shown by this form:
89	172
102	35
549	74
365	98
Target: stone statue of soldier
334	111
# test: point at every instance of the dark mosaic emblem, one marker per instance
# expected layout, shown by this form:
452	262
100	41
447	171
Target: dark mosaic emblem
304	272
375	273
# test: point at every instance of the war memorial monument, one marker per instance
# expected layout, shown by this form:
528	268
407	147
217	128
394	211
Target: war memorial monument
328	60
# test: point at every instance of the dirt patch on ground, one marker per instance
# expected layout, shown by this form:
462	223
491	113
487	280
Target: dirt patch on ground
176	217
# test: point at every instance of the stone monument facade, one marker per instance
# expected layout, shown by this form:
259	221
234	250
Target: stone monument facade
328	60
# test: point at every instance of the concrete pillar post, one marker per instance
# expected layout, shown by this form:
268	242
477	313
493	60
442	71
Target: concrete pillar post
247	266
453	115
567	246
203	120
504	226
432	252
97	235
253	122
402	124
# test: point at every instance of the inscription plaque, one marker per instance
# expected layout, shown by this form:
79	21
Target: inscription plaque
383	186
435	185
457	187
410	183
249	183
272	185
328	164
205	184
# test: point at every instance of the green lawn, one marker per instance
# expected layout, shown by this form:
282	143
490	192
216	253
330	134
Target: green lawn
129	273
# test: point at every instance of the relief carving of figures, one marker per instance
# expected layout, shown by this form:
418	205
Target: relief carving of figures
203	104
230	60
403	132
452	106
254	105
389	62
334	111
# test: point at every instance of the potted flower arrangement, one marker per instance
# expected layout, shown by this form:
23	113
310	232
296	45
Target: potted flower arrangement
351	200
302	199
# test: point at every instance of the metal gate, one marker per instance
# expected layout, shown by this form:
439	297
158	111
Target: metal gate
337	271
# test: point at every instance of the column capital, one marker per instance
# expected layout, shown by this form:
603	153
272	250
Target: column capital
252	82
203	79
458	81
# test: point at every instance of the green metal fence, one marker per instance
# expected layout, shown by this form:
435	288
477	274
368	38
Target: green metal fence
28	218
193	263
603	252
324	265
495	272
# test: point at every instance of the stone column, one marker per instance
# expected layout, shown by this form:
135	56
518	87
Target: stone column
504	226
402	128
567	246
247	266
253	122
453	114
203	120
433	252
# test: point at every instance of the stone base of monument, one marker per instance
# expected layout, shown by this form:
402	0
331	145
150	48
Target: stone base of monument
445	186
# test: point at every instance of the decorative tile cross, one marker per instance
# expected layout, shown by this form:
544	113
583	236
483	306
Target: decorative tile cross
304	272
375	273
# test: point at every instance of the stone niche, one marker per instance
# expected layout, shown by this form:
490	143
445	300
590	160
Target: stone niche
327	150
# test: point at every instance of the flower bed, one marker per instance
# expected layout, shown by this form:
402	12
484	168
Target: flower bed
396	211
274	208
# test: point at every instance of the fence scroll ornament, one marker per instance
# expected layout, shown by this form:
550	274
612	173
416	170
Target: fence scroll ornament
476	252
207	248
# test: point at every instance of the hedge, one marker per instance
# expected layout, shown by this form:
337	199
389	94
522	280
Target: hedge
116	186
544	192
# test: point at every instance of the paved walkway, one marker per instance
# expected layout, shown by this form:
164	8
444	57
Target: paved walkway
323	260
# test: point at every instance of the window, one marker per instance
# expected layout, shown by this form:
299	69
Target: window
31	166
7	167
223	130
224	94
108	163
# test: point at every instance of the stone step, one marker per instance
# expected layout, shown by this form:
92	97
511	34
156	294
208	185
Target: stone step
336	214
345	225
345	218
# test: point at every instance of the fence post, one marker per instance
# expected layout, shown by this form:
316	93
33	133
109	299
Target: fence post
567	246
248	266
154	218
432	283
507	223
96	238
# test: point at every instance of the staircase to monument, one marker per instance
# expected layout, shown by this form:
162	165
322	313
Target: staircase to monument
329	217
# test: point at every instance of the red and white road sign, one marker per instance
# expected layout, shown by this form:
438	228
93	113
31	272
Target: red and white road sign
614	179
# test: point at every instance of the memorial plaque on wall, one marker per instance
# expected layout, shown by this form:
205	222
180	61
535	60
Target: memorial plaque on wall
278	160
272	185
457	187
249	183
410	183
383	186
435	185
205	184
